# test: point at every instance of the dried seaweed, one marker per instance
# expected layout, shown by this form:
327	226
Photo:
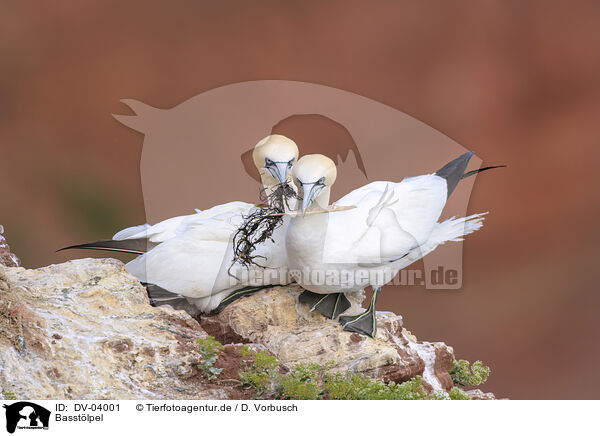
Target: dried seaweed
278	198
259	224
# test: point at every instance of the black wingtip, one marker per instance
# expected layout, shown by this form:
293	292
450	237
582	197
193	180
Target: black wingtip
133	246
480	170
454	170
70	247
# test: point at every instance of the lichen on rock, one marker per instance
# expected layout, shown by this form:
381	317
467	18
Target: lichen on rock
295	335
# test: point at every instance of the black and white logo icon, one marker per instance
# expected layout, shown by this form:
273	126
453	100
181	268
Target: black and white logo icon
26	415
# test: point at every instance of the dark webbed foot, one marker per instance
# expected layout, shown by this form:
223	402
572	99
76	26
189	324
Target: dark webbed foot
236	295
328	305
364	323
159	296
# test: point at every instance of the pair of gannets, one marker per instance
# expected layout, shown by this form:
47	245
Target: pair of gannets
382	228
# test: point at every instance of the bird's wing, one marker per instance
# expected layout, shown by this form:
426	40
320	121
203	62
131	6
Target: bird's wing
194	262
350	236
219	225
174	226
403	221
226	208
452	229
420	203
131	232
158	232
192	268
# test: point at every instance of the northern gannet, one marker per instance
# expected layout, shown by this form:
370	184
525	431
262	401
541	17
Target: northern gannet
392	226
192	256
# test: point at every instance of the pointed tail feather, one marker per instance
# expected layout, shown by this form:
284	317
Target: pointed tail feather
452	229
134	246
480	170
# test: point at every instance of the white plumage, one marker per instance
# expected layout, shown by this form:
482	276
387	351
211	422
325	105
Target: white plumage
390	221
391	226
196	262
172	227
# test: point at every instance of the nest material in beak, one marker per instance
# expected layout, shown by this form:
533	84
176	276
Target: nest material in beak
259	225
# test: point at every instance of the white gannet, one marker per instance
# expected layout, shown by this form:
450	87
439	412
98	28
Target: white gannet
392	226
191	255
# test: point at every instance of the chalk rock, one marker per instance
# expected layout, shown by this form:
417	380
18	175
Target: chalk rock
286	327
85	330
6	257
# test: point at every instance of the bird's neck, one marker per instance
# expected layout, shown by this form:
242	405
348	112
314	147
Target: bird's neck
322	200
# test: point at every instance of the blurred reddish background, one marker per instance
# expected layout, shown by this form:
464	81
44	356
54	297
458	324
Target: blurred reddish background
518	82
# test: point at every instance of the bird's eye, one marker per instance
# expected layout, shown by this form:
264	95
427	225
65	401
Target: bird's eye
291	163
268	161
321	181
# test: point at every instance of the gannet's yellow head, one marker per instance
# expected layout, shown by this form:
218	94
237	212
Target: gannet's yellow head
275	156
312	174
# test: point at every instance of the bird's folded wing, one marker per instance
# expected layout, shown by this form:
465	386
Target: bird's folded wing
420	203
417	203
175	226
190	267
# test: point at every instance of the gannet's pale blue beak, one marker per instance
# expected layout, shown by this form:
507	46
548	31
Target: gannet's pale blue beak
279	171
310	192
